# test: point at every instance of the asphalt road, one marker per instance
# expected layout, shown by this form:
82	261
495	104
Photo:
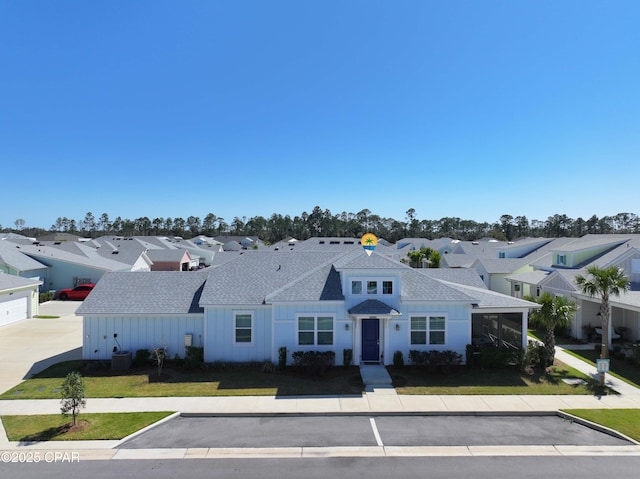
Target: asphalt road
368	430
371	468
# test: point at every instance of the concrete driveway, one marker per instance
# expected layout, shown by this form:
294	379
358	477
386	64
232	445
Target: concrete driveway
31	345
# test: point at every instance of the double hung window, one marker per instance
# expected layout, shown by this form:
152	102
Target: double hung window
316	330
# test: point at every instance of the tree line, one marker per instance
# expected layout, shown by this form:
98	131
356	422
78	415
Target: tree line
324	223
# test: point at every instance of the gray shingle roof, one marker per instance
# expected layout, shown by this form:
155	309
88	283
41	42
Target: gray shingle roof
485	298
252	276
166	255
417	286
529	277
373	307
469	277
9	281
89	257
320	284
148	292
502	265
12	256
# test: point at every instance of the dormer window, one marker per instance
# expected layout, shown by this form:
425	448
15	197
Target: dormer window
562	259
368	286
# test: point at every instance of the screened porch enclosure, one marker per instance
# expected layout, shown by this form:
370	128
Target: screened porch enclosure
498	329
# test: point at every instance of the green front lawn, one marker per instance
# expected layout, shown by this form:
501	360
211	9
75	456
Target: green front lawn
175	381
618	367
625	421
464	380
52	427
252	381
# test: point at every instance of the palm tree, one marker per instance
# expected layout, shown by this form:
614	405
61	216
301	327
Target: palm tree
603	283
555	312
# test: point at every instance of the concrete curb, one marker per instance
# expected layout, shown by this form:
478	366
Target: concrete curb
596	427
148	428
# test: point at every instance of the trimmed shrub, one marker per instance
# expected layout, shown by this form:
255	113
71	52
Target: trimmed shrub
435	360
398	359
143	357
44	297
496	358
193	357
533	356
347	357
315	363
282	357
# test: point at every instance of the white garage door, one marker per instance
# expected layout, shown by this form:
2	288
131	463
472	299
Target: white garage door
12	311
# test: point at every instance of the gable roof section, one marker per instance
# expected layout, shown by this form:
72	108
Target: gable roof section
501	265
420	287
167	255
485	298
148	292
470	277
562	279
90	259
254	275
373	307
10	282
358	259
320	284
13	257
530	277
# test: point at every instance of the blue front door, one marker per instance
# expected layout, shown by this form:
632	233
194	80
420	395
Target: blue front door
371	340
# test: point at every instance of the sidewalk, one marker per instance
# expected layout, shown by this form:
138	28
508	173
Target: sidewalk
623	388
377	400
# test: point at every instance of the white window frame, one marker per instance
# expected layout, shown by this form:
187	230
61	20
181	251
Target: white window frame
428	330
316	331
236	328
379	286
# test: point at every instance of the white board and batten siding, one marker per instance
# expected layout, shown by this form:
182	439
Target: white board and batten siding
457	328
220	331
140	333
285	328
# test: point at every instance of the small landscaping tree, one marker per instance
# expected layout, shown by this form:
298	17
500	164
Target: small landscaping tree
73	395
159	355
604	283
555	312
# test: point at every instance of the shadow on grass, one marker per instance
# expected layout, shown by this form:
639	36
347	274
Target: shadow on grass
466	380
410	376
229	380
52	433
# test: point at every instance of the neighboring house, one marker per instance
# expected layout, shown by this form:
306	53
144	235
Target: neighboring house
13	262
555	271
245	242
70	264
18	298
171	260
246	308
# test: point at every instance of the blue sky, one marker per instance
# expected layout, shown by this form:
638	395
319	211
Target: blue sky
241	108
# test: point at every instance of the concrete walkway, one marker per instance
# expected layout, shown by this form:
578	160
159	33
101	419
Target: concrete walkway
379	398
34	344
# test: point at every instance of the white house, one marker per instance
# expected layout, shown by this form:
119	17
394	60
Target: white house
250	306
18	298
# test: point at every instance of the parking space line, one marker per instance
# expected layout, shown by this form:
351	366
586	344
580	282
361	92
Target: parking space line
375	431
